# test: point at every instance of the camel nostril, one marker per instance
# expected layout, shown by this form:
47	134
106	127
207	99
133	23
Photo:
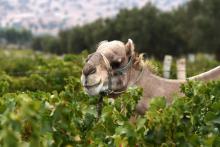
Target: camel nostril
89	70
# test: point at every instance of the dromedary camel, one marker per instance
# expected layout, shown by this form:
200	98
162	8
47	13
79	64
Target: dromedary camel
115	66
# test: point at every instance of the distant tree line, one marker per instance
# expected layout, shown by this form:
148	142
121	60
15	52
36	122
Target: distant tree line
190	28
15	36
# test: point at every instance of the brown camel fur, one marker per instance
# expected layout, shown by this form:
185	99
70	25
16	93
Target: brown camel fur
114	55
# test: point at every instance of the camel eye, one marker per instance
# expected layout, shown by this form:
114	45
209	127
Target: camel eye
115	65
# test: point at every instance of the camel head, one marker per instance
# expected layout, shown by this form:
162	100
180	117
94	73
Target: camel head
106	70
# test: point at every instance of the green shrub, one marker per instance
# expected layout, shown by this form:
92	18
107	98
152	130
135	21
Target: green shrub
46	106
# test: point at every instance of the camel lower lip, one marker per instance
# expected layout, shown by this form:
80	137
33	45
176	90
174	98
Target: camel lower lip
90	86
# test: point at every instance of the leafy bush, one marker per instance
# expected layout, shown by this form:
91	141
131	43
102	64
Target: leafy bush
52	110
26	70
70	118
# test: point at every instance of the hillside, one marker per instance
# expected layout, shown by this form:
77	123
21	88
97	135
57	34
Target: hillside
49	16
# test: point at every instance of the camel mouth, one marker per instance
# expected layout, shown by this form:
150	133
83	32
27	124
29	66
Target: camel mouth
93	85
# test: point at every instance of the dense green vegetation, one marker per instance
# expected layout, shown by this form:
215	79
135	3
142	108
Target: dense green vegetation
14	36
25	70
42	104
193	27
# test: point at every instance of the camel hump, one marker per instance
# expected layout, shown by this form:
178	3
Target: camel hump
213	74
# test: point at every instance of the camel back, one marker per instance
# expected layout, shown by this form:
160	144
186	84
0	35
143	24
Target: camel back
213	74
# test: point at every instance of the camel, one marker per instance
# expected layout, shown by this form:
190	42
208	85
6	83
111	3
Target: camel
115	66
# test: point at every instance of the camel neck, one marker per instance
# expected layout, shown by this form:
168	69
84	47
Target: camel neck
137	76
149	79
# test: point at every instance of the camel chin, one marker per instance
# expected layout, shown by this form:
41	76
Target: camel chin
93	91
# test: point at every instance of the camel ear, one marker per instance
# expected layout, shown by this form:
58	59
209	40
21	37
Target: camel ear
130	47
